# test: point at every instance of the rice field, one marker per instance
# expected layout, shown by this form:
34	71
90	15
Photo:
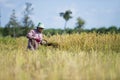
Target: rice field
78	57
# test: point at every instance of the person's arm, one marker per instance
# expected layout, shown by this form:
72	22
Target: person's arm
30	35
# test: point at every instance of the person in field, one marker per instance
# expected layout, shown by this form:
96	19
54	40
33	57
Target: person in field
35	37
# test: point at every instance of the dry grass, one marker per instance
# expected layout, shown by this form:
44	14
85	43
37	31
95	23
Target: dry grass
79	57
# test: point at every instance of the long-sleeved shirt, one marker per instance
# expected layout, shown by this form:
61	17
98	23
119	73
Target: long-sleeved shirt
34	34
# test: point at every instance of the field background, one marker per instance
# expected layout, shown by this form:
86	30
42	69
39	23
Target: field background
79	57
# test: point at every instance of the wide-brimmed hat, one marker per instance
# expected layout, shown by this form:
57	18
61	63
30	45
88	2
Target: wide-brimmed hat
40	25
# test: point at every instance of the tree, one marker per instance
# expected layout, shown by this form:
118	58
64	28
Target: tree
93	30
69	31
102	30
119	30
79	24
66	15
27	22
112	29
1	31
12	27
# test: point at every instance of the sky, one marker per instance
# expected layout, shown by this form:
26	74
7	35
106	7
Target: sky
95	13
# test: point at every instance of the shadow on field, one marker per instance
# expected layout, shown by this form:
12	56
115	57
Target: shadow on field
54	45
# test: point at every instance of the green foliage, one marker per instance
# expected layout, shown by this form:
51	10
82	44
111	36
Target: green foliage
50	32
16	29
7	31
12	27
79	24
118	30
66	15
102	30
1	31
112	29
93	30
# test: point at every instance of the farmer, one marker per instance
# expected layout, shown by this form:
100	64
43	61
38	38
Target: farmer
35	37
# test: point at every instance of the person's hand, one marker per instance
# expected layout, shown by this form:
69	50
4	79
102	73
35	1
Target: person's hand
38	40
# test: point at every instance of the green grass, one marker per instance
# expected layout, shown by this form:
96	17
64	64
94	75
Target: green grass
78	57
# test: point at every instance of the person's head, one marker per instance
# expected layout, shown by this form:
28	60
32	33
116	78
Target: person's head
40	27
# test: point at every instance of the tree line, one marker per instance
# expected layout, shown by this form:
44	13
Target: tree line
102	30
14	28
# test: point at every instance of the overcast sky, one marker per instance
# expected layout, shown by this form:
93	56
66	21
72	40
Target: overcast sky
95	13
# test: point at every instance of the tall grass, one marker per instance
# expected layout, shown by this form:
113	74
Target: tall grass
88	42
78	57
